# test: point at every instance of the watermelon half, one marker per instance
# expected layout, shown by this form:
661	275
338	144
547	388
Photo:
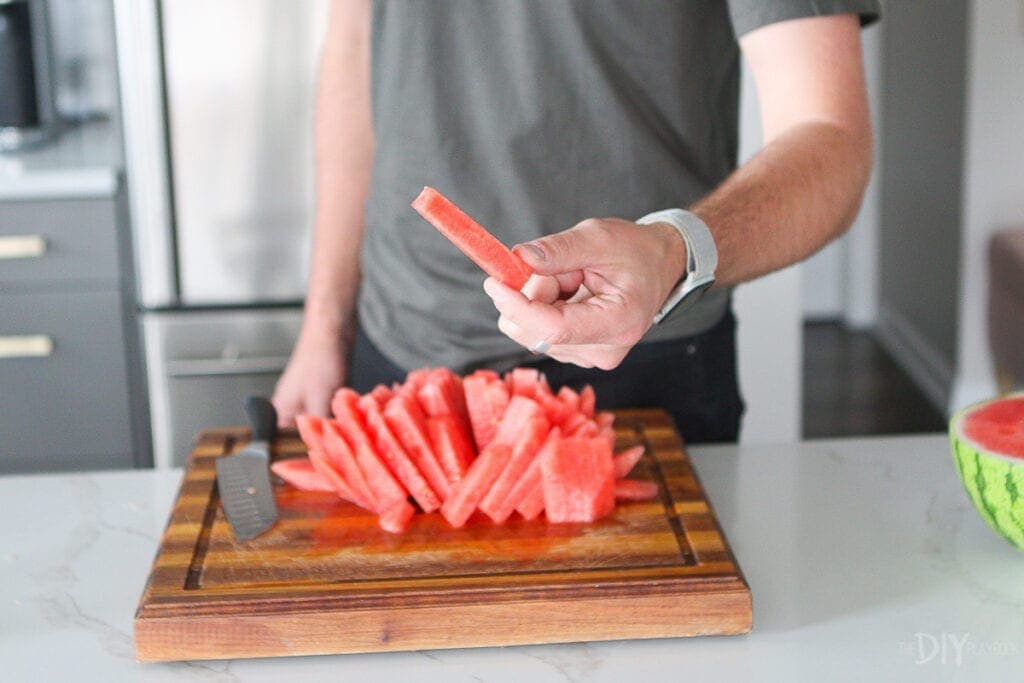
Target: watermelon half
988	448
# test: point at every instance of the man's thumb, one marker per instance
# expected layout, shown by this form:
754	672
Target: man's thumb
559	253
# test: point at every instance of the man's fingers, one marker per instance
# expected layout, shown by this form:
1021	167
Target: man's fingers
542	288
574	249
596	320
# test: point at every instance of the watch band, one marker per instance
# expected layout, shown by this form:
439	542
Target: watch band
701	256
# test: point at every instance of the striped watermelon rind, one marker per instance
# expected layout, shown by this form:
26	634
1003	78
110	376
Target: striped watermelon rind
994	481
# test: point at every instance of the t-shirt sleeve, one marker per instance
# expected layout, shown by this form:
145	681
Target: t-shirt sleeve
748	15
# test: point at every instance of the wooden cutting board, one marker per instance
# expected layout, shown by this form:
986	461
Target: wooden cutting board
326	579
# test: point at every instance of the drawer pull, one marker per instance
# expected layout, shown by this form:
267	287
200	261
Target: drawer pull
209	367
26	346
22	246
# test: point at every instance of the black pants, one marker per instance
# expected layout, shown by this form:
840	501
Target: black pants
694	379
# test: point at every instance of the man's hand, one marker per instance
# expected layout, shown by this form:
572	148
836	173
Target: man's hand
596	289
317	368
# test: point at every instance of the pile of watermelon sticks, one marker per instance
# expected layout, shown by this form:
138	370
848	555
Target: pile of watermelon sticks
461	444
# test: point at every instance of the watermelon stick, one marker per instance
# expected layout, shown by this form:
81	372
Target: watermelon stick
472	239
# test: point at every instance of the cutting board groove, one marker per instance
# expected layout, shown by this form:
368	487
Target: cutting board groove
326	579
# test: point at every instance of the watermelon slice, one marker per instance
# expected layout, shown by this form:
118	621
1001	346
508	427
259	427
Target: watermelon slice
467	493
574	423
570	399
523	381
391	451
386	489
578	480
408	423
493	257
528	441
486	400
631	489
339	454
382	394
604	418
442	394
988	448
324	468
452	444
530	483
300	473
533	504
396	519
625	461
588	401
311	430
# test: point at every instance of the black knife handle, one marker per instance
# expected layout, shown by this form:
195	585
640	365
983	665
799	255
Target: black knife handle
262	418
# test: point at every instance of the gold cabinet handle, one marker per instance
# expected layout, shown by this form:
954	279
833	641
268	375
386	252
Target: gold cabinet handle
25	346
22	246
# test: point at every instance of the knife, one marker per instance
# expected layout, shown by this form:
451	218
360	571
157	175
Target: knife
243	479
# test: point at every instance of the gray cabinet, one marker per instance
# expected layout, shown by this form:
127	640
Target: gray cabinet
70	390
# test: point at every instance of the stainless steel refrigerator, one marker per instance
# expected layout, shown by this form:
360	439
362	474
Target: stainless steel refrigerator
218	116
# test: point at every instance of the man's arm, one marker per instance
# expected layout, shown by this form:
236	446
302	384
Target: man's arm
344	154
804	187
800	191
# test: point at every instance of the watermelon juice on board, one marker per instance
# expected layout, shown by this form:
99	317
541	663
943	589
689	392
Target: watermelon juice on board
988	448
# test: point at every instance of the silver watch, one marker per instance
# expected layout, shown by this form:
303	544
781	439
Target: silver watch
701	257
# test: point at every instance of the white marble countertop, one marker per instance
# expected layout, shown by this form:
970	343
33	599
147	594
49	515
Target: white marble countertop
865	559
85	160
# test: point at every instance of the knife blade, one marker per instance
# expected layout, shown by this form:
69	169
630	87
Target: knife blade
243	478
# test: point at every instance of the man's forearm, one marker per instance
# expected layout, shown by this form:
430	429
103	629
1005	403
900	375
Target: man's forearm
344	154
799	192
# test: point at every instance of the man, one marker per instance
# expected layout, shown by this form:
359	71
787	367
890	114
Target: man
535	115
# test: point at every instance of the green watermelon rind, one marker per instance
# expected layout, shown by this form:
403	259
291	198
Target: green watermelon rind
994	481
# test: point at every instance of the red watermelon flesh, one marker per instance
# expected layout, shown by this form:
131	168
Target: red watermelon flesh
408	423
339	454
493	257
382	394
467	493
396	518
390	450
416	379
529	440
300	473
530	481
553	408
485	373
604	418
442	394
311	431
588	401
625	461
631	489
327	471
523	381
573	423
533	504
570	399
578	480
386	489
486	401
997	427
452	444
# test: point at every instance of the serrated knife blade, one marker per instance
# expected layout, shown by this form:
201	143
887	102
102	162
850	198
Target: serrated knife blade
243	479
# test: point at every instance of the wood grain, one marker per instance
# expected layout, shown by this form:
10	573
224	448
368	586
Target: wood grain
326	579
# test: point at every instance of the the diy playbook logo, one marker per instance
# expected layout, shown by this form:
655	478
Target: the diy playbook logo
953	649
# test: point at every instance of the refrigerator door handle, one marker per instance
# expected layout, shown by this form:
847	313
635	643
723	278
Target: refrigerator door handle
212	367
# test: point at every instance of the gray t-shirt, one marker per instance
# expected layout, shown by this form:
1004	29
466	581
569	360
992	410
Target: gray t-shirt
533	116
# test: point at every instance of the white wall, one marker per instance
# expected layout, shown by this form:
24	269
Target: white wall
770	336
993	180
